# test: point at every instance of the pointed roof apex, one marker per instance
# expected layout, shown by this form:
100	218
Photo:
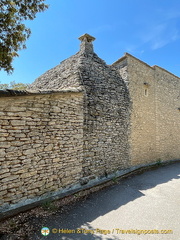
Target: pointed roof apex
86	37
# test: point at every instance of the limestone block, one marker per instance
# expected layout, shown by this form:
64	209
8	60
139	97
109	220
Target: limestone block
29	151
48	147
25	175
3	193
4	122
21	135
10	178
5	145
2	152
18	122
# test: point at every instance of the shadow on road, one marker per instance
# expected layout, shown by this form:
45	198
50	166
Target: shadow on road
80	214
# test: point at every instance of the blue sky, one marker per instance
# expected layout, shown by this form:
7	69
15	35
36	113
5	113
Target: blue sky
147	29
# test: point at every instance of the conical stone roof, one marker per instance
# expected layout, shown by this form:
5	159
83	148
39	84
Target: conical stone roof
68	73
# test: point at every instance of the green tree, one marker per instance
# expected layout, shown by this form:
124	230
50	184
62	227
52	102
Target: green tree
4	86
13	32
13	85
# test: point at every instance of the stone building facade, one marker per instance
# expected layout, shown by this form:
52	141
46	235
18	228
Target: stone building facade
155	114
84	122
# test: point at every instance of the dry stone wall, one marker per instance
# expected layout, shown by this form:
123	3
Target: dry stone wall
106	120
41	145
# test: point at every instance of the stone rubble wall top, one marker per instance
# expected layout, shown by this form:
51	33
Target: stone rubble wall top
13	93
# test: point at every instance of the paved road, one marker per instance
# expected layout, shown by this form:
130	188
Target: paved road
149	201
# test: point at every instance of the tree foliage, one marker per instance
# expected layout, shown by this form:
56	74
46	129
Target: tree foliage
13	32
13	85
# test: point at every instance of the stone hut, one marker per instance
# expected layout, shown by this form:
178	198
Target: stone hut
106	108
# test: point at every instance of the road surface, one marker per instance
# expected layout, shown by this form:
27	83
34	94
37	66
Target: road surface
141	207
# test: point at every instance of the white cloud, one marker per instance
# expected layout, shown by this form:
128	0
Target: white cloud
154	32
160	35
158	44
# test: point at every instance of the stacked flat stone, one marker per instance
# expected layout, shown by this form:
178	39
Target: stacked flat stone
106	107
